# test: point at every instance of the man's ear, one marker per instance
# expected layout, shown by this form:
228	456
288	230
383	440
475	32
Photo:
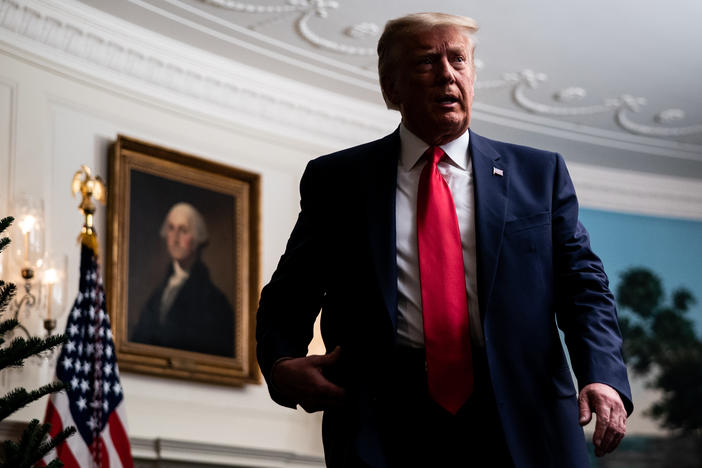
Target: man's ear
389	88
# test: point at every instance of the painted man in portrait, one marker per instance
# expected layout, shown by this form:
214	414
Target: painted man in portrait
186	310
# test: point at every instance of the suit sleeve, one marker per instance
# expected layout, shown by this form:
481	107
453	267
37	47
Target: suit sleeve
585	306
292	299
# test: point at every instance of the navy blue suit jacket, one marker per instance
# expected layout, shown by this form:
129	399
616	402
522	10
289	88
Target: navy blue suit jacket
536	273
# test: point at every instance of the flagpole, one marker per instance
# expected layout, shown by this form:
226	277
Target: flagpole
94	399
89	187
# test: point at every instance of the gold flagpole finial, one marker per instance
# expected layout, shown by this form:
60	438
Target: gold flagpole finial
89	187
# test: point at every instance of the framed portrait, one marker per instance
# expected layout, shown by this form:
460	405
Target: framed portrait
182	265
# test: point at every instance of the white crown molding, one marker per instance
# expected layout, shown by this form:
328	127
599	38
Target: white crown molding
249	38
69	35
92	46
306	10
637	193
98	44
519	82
619	106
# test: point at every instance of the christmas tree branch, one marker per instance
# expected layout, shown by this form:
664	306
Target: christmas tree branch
31	447
7	325
20	397
5	222
60	438
7	292
20	349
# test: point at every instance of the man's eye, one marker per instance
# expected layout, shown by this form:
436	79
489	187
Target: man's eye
426	61
460	59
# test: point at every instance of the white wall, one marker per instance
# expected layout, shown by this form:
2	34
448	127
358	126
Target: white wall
50	124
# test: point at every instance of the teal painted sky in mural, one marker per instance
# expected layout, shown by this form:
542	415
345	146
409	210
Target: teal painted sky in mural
672	248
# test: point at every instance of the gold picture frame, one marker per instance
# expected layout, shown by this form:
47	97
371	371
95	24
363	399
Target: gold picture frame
187	333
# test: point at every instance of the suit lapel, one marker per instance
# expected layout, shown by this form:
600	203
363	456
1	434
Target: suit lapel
490	209
380	206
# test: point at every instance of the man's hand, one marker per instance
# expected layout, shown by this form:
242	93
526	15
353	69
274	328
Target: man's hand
611	416
302	380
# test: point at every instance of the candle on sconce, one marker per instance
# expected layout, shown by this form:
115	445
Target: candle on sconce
26	226
50	278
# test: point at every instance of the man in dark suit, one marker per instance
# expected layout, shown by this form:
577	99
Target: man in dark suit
444	264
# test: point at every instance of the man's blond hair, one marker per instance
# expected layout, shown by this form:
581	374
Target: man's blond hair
398	29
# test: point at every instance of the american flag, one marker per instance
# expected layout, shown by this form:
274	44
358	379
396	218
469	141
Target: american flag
93	402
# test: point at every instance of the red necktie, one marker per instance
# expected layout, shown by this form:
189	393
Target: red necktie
443	284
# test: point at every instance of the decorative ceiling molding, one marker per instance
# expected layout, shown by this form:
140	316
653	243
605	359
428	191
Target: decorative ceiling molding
99	44
113	58
91	45
620	107
307	9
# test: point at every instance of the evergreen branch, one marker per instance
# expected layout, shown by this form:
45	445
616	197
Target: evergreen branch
33	442
20	397
8	325
19	349
3	243
56	463
7	292
5	222
31	447
14	451
52	443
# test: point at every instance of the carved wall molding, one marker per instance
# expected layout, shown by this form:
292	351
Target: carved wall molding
619	107
307	9
224	85
8	137
198	452
195	452
644	194
70	36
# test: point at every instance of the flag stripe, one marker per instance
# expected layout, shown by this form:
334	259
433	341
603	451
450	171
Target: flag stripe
64	451
119	435
105	455
109	452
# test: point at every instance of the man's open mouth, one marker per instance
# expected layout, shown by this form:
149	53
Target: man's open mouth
446	99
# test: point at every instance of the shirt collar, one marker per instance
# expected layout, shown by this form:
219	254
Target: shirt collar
178	271
413	147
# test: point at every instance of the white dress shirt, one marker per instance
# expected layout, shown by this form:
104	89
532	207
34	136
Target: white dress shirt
457	171
175	282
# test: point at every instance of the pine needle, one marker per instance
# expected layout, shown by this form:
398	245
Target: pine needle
20	349
7	292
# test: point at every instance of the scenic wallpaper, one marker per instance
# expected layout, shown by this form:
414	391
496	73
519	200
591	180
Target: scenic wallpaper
654	266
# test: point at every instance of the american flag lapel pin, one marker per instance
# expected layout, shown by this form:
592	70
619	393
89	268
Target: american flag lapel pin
497	171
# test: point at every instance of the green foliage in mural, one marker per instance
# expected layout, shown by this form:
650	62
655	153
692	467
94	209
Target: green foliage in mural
660	344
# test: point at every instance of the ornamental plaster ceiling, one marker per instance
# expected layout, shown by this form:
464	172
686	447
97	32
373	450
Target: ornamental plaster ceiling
627	65
626	72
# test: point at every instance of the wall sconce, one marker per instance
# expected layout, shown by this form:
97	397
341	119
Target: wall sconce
53	291
44	275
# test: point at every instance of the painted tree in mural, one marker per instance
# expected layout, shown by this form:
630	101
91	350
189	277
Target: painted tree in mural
660	343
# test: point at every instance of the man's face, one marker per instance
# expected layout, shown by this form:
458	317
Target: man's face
179	237
433	84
